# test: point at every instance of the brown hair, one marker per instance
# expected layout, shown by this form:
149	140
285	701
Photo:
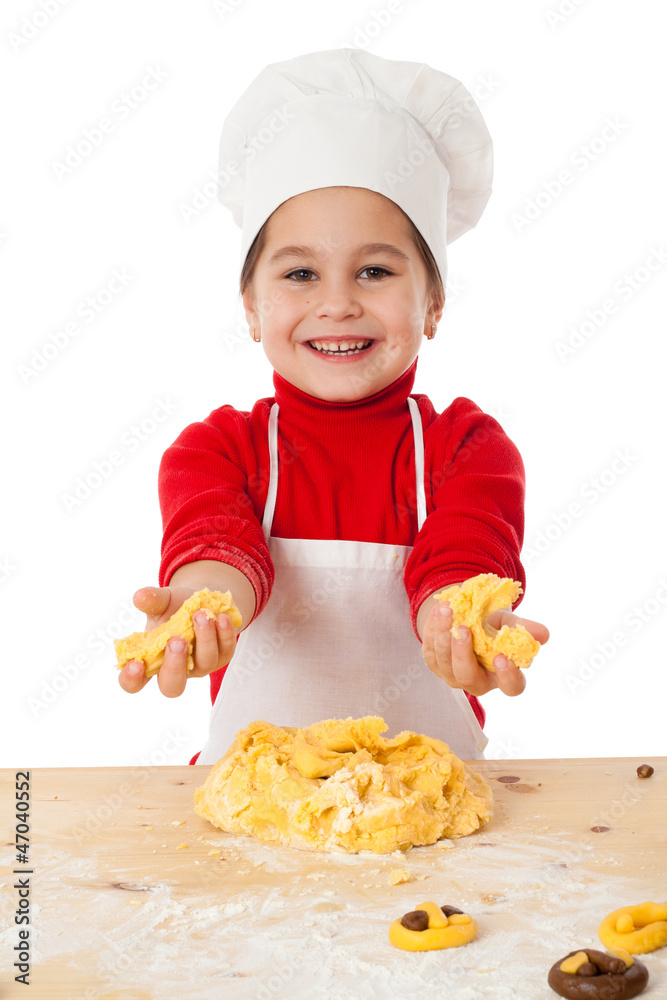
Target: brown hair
435	289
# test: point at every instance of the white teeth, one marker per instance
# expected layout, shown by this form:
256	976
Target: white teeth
333	348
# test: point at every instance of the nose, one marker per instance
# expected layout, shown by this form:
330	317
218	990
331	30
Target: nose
337	299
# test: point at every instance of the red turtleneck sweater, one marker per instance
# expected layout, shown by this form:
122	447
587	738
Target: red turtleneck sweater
346	471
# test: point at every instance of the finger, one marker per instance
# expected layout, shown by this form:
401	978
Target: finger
206	644
428	637
152	601
437	642
132	678
172	675
511	680
467	670
538	631
226	639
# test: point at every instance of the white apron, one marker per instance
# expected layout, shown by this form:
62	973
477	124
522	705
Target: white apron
335	640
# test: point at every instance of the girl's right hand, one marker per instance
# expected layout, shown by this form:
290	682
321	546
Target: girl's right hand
214	645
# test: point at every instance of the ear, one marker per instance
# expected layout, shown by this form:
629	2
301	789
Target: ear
435	310
251	313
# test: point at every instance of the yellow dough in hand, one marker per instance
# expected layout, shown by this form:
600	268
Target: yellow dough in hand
150	646
638	929
339	785
473	601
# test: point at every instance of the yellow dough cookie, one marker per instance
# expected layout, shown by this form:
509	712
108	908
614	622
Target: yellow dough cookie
638	929
430	926
472	601
150	646
339	785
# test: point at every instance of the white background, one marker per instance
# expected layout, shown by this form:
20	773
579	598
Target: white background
547	84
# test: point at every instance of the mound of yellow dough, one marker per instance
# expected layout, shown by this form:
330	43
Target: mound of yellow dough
472	601
340	786
150	646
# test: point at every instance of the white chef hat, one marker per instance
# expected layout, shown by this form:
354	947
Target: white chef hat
351	118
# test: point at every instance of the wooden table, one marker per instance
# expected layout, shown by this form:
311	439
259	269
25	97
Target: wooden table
121	910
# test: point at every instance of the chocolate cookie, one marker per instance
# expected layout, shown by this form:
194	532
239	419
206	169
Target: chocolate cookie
601	977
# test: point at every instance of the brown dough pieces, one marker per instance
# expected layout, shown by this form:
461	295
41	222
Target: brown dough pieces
472	601
150	646
339	785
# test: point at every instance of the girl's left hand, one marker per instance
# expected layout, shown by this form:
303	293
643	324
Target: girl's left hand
454	659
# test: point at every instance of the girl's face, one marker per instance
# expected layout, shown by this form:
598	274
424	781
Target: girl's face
340	293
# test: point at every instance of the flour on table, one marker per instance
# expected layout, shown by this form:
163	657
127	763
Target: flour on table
287	935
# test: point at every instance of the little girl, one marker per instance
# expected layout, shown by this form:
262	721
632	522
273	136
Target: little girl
335	510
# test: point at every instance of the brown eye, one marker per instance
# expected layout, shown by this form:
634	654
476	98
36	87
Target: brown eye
299	273
374	277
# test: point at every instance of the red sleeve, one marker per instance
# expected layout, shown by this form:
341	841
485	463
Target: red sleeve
207	512
475	518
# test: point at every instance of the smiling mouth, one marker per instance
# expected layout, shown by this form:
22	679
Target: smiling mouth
351	347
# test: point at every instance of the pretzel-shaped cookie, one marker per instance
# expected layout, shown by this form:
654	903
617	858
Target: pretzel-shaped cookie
430	927
638	929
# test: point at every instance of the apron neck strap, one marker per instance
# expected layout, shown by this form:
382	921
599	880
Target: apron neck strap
419	461
270	504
